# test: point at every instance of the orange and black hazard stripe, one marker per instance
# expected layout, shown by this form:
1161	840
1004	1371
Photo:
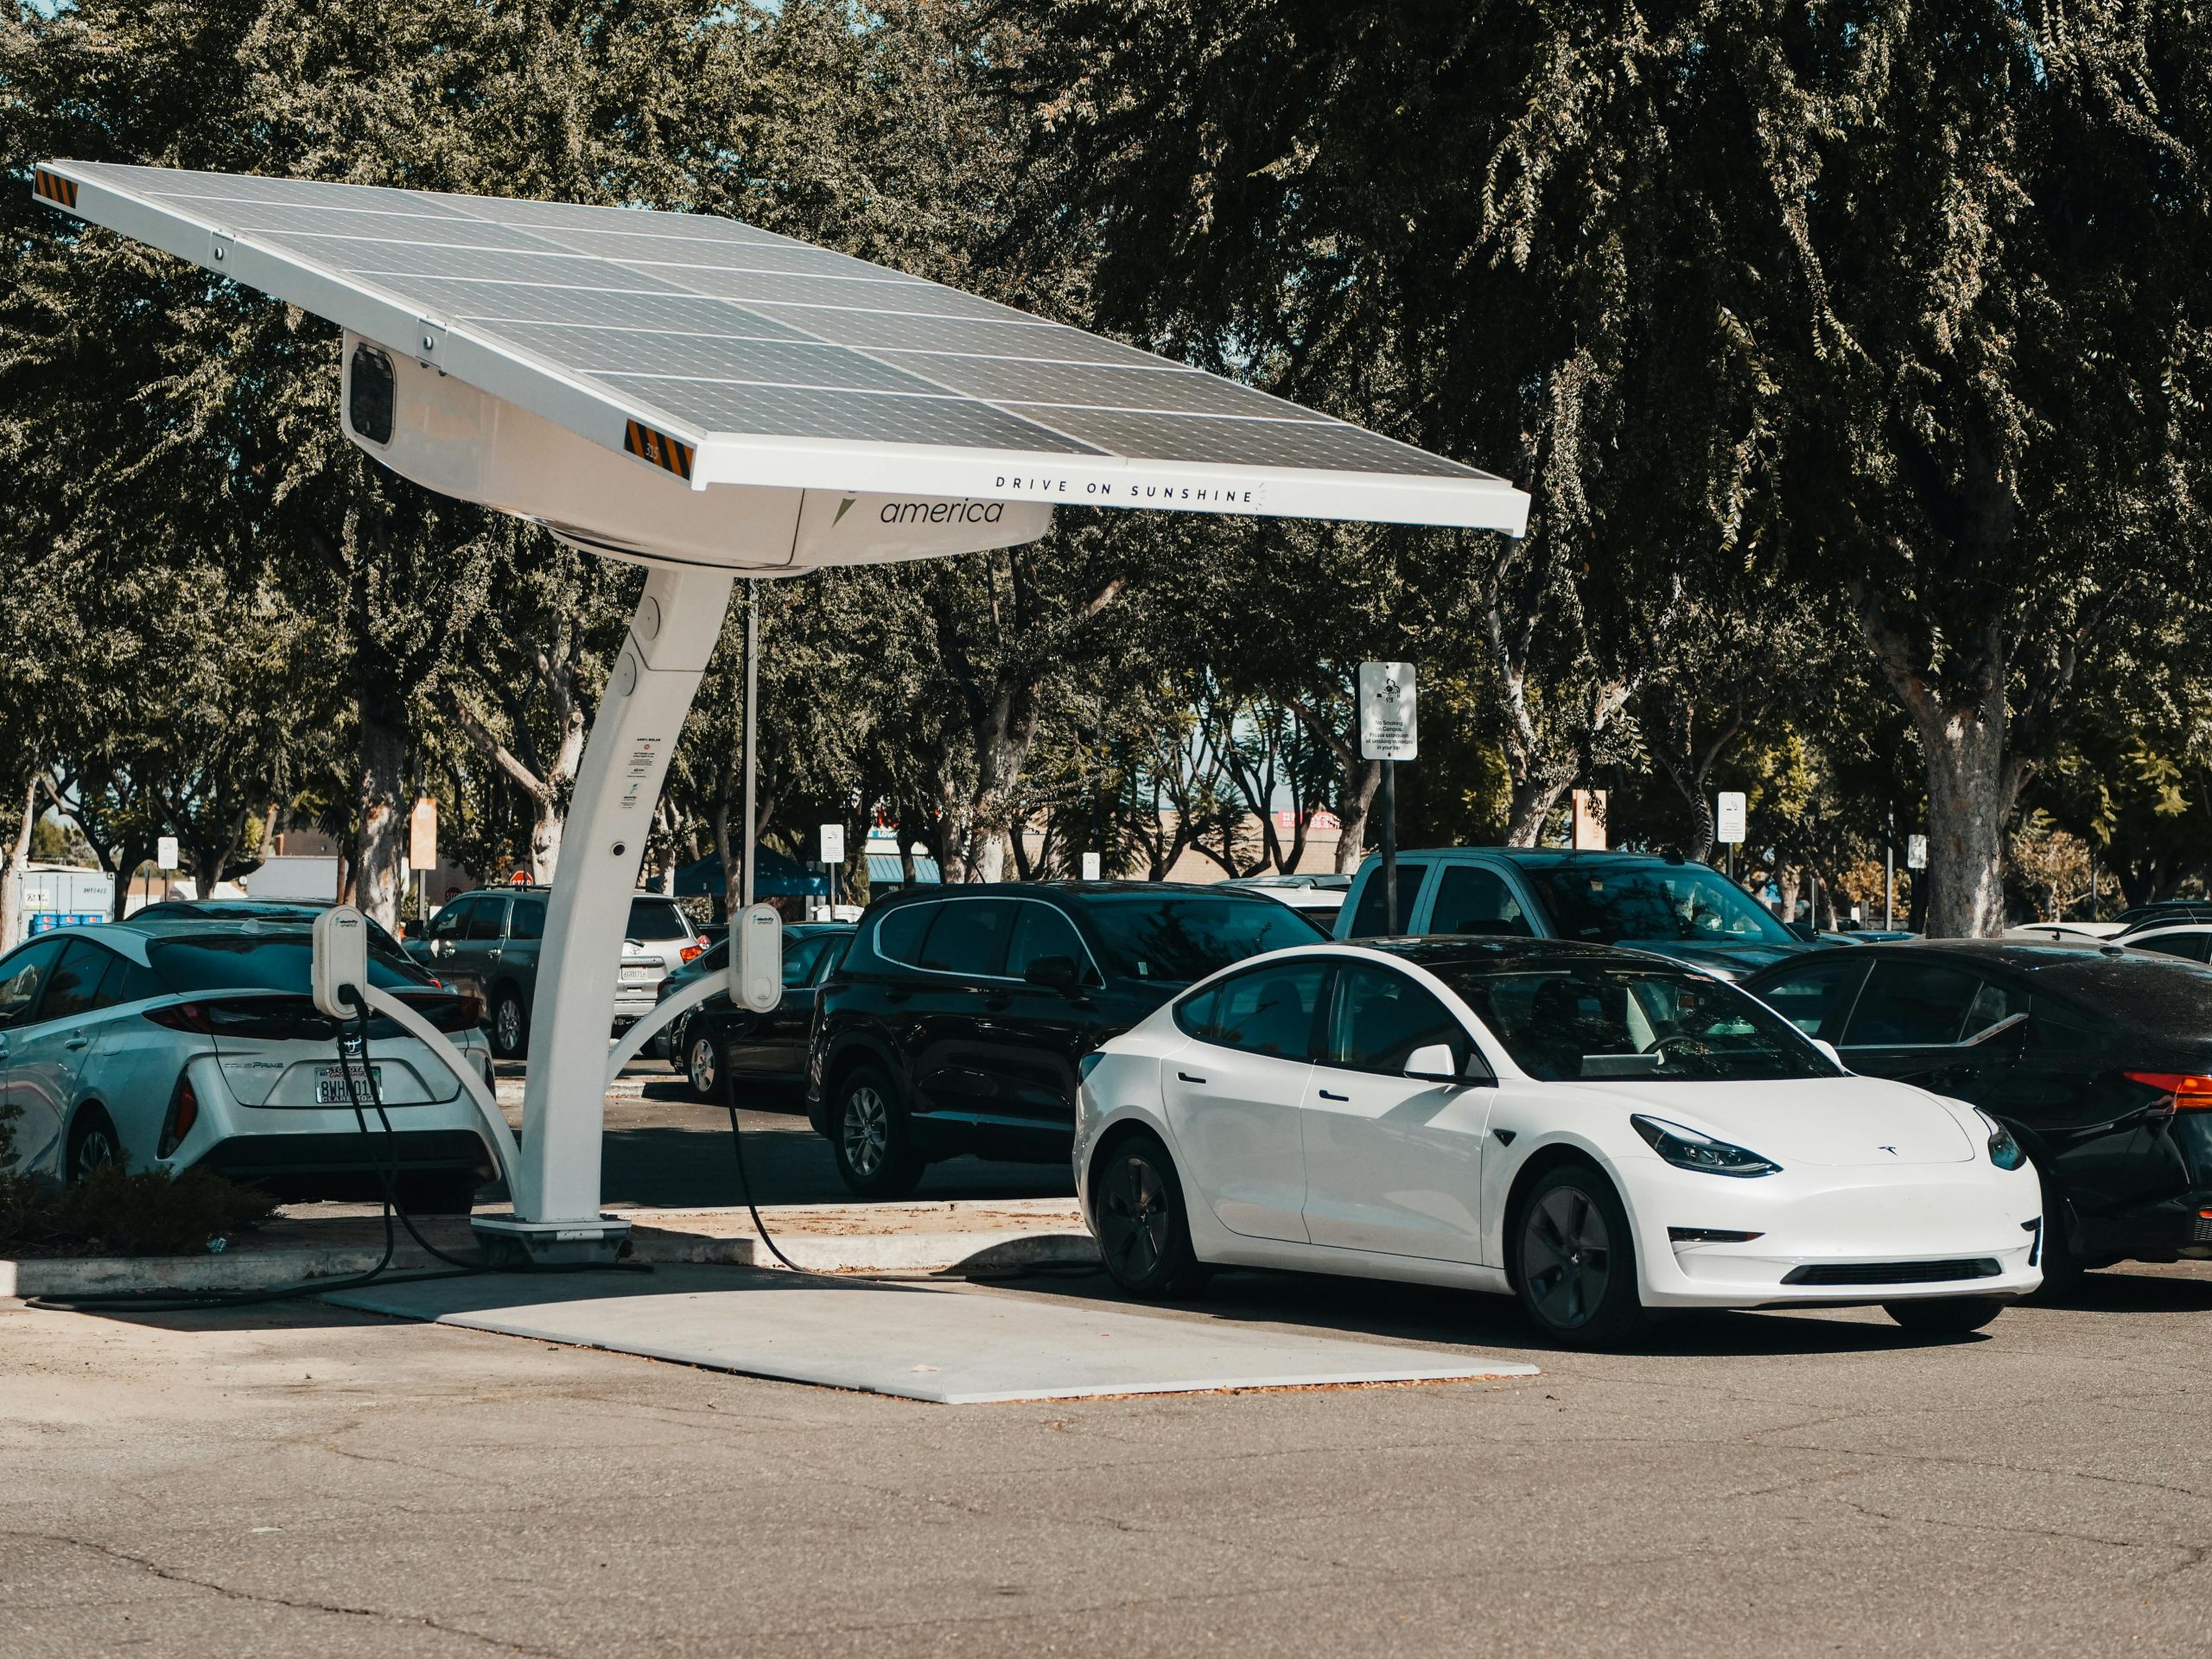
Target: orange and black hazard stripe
659	448
62	192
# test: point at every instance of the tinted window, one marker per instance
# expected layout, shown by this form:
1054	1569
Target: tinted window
1378	1018
1174	938
1367	920
74	986
526	919
657	918
1267	1011
801	960
898	935
1039	930
272	962
1912	1004
1592	1020
1816	995
1471	898
1996	999
127	982
1194	1015
448	922
1607	903
483	920
23	976
968	936
2192	947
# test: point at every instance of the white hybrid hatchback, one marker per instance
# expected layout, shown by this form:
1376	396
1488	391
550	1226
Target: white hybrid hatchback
1601	1132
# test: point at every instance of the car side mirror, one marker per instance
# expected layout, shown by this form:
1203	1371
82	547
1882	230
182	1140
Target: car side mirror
1055	974
1804	930
1829	1049
1432	1063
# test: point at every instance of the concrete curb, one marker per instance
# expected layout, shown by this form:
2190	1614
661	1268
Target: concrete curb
952	1253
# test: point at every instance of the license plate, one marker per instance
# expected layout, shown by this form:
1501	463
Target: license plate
330	1085
636	975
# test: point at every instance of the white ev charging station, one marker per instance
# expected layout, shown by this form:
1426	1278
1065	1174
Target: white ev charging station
711	401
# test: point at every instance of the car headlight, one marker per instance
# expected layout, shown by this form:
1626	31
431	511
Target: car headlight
1686	1148
2004	1151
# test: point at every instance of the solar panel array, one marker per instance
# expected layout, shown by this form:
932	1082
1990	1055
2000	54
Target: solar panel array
713	324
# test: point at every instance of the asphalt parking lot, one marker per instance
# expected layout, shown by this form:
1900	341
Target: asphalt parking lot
298	1480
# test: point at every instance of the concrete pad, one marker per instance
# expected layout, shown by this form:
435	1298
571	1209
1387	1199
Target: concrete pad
946	1346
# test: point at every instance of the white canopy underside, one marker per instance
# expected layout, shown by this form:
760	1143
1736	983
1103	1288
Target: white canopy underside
720	354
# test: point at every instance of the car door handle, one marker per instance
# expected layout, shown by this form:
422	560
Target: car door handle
998	1003
78	1042
1331	1094
1184	1076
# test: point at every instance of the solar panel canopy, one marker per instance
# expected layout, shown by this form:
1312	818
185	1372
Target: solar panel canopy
704	352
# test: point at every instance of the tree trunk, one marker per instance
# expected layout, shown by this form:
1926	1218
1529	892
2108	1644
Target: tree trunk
1363	779
547	821
382	812
1971	785
1534	799
18	854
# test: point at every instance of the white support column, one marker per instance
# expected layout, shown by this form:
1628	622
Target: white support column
648	694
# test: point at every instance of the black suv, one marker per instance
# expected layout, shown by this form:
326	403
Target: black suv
955	1020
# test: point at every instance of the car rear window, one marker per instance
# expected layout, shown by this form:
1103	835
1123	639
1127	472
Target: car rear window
657	918
1175	939
267	962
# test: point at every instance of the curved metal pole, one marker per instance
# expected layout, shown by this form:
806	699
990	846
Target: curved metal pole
664	1015
487	1108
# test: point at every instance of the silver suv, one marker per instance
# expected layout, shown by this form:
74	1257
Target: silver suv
487	942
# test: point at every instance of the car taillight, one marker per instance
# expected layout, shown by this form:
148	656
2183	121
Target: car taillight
182	1016
184	1112
2191	1093
693	952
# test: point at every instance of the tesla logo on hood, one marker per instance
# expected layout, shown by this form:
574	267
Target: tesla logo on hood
1892	1151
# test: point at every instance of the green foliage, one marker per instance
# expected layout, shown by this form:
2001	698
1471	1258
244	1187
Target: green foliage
110	1212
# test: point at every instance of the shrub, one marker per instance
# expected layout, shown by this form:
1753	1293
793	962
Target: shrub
113	1212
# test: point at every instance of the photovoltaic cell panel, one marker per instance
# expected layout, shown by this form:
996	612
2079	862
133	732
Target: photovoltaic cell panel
709	330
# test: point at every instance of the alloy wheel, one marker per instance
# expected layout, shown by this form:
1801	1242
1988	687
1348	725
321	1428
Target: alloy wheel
1566	1256
705	1073
96	1147
866	1131
509	1024
1135	1218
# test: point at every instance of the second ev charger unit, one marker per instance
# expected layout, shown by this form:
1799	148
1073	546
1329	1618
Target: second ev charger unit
710	400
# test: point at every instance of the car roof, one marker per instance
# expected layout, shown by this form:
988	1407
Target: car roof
1076	890
1544	857
1434	950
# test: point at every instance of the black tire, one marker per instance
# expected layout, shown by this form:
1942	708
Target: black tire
510	1024
1944	1316
435	1192
868	1137
1572	1262
1144	1232
2062	1267
702	1065
93	1141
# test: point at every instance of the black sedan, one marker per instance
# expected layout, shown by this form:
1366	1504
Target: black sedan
2099	1059
719	1039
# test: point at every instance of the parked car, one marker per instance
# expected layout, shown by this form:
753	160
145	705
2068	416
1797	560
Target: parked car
180	1038
1599	1132
955	1019
1317	897
2165	910
2099	1059
1676	907
487	944
2191	941
720	1040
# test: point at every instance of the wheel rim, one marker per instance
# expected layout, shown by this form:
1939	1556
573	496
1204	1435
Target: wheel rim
96	1147
1134	1216
1567	1257
703	1076
510	1024
866	1130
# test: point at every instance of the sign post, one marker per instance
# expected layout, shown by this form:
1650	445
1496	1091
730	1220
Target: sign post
1389	732
1915	852
833	854
165	860
1728	823
423	851
1091	864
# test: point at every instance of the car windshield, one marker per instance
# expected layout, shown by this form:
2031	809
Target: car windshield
268	962
656	918
1570	1020
1175	939
1616	903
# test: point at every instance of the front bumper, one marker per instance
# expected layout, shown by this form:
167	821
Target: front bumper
1837	1237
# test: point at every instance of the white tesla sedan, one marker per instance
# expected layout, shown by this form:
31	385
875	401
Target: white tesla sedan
1599	1132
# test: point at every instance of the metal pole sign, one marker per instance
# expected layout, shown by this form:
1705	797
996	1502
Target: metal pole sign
1091	863
833	843
1915	852
1728	817
422	834
165	855
1388	729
